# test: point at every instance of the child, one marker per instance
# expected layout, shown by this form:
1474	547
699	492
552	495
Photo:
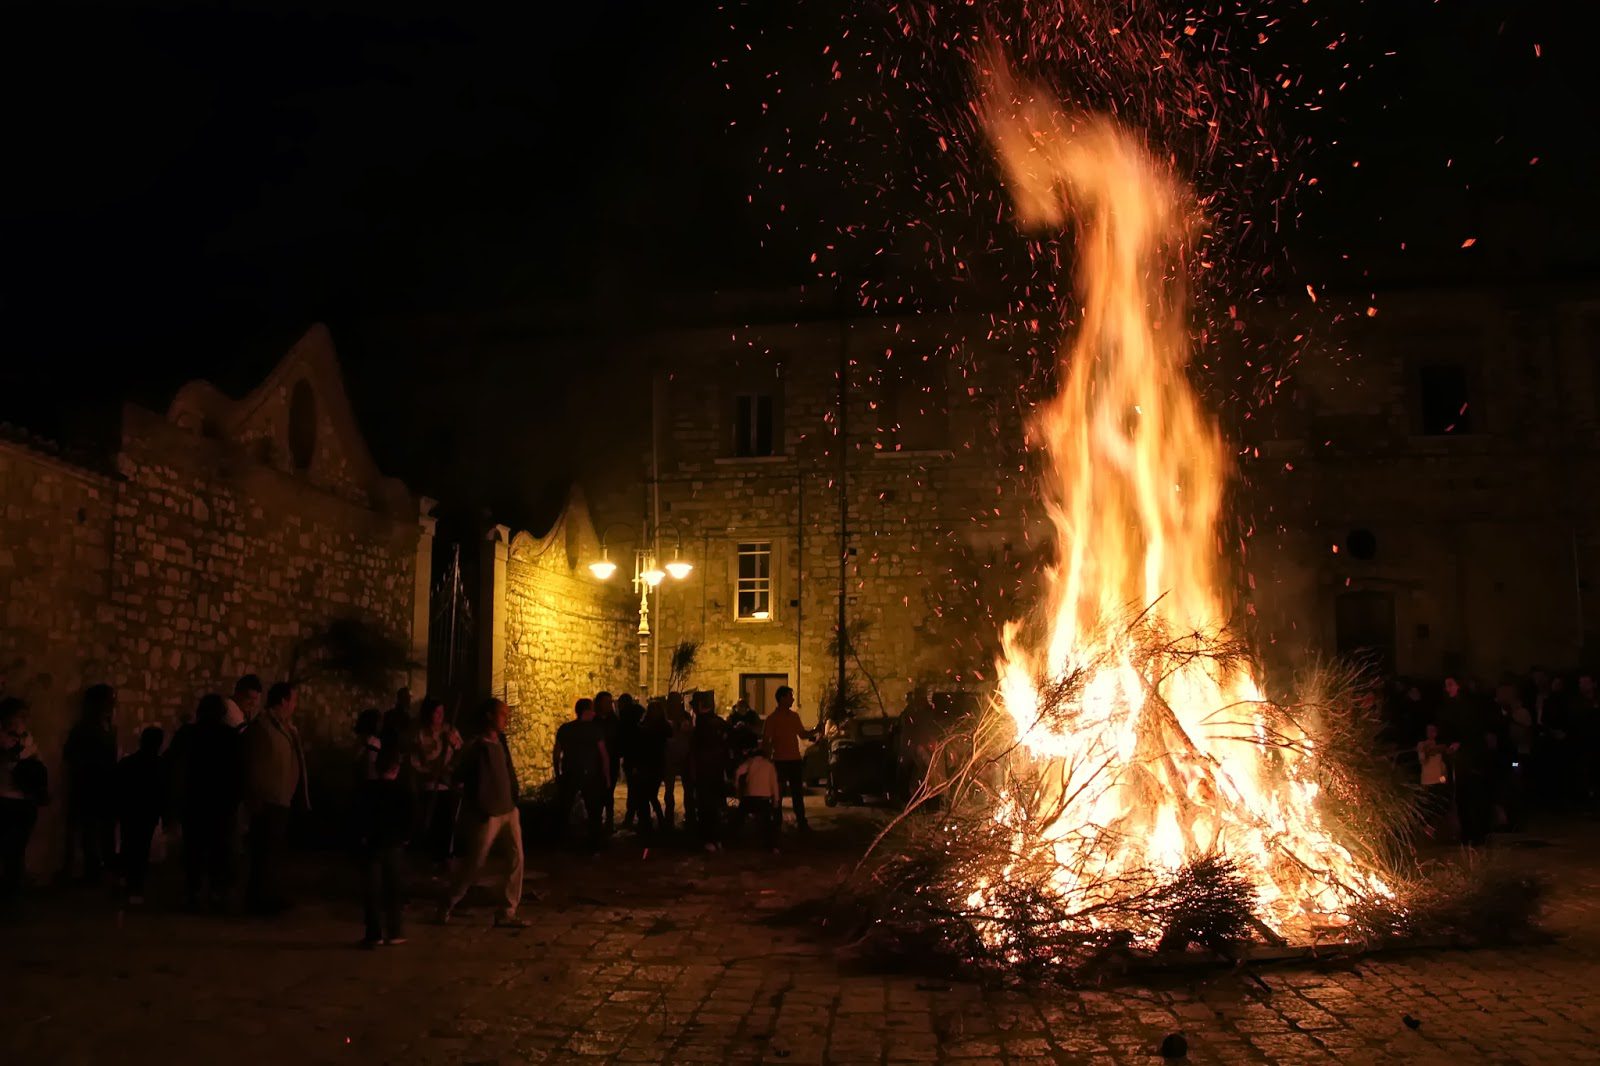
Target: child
757	783
141	794
383	813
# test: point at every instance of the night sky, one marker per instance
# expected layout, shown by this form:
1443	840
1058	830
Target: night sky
466	194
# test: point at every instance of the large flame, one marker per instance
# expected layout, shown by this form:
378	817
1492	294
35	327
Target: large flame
1163	758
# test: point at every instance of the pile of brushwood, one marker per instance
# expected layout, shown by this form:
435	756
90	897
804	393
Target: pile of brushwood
911	902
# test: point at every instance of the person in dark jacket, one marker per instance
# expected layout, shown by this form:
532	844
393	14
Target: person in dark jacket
708	759
646	762
489	815
581	761
629	715
141	797
90	764
383	825
212	789
605	714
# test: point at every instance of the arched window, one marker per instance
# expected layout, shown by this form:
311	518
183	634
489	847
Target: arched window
302	425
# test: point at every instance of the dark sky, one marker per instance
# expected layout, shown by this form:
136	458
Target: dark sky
188	186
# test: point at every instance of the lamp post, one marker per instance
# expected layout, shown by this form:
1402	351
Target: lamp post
648	574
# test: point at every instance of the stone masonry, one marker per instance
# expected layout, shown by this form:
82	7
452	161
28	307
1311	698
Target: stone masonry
213	547
554	634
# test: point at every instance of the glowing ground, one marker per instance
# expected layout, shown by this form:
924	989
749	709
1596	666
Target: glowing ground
675	962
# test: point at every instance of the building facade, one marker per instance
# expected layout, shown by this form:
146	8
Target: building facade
1418	496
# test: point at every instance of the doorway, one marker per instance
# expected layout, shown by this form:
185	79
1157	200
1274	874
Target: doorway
760	691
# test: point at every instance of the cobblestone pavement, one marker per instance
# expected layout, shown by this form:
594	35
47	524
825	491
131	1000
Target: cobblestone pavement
669	959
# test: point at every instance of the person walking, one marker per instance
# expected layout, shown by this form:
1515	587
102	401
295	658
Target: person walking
708	765
141	792
22	790
383	825
582	764
89	761
208	802
782	733
489	815
275	766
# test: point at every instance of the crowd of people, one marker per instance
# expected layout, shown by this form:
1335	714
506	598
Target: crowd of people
229	778
1486	757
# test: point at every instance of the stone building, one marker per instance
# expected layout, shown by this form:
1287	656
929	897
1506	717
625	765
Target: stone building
211	542
1431	499
1418	496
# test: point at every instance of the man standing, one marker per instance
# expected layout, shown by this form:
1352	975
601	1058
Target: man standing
605	715
275	768
90	763
246	698
708	760
582	763
489	815
781	734
21	791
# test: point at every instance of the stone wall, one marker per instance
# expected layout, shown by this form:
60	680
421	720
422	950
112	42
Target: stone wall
56	522
562	634
208	547
225	565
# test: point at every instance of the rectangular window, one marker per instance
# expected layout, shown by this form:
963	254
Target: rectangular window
754	425
1445	394
915	416
753	593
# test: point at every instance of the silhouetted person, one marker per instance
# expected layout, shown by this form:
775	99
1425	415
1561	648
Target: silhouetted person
141	796
708	758
276	772
89	762
629	715
245	703
605	713
676	767
782	733
383	825
489	814
582	765
647	763
22	789
212	788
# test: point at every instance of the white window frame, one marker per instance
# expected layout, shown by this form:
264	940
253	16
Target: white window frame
759	585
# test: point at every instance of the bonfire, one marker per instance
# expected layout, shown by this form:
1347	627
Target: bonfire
1130	783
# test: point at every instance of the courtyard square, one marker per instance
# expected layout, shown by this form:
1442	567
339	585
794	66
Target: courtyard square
682	957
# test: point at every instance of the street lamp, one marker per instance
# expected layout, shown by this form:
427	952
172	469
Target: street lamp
648	575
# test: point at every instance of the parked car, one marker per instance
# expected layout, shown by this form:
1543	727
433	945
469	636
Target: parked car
861	761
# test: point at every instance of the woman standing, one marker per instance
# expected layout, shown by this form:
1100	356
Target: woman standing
433	757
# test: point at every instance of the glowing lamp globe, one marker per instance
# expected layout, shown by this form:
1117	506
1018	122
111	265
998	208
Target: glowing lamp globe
653	576
679	569
602	568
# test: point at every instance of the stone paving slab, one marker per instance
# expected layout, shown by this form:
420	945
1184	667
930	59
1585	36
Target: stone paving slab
671	960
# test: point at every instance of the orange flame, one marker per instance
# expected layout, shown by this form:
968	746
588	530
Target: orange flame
1158	762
